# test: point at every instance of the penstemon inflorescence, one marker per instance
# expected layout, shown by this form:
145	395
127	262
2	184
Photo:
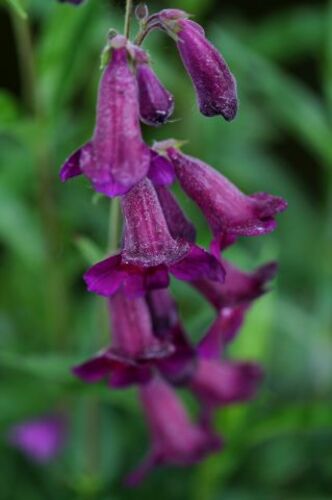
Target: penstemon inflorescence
149	346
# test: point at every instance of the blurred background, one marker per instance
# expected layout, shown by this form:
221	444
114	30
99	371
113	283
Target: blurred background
278	446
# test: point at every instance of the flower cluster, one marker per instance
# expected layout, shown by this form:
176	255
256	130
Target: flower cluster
149	346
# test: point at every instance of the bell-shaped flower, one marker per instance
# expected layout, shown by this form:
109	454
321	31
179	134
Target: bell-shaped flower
175	439
40	439
149	251
156	104
228	211
214	83
116	158
134	349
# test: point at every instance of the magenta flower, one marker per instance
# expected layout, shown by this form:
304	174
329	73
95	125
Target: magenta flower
239	287
40	439
116	158
175	439
217	383
134	348
149	252
214	83
156	104
228	211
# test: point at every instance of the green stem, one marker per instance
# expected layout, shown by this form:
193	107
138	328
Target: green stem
55	286
129	9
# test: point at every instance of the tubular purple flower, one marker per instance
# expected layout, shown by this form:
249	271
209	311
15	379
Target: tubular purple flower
149	252
116	158
40	439
218	383
239	287
156	104
175	439
214	83
229	212
134	348
161	171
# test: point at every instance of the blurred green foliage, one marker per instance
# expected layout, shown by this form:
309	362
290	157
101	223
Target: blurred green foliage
279	446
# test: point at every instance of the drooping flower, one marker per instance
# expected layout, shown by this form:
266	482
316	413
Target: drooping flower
149	252
116	158
175	439
239	287
134	349
41	439
156	104
229	212
214	83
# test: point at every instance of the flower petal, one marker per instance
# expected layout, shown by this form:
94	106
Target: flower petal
198	263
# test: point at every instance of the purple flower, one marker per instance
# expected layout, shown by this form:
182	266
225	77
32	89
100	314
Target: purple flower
161	171
228	211
175	439
217	383
149	252
156	104
214	83
134	348
239	287
40	439
116	158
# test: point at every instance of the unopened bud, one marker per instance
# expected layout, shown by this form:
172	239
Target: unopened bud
141	12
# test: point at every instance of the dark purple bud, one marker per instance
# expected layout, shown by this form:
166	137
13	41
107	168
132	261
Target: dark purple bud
239	287
178	224
141	12
116	158
156	104
227	210
40	439
175	439
218	383
134	347
214	83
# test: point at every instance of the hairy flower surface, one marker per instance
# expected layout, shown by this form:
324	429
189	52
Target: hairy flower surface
214	83
227	210
116	158
175	439
149	251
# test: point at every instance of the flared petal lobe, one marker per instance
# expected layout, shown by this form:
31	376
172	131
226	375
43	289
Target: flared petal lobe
134	347
175	439
214	83
227	210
